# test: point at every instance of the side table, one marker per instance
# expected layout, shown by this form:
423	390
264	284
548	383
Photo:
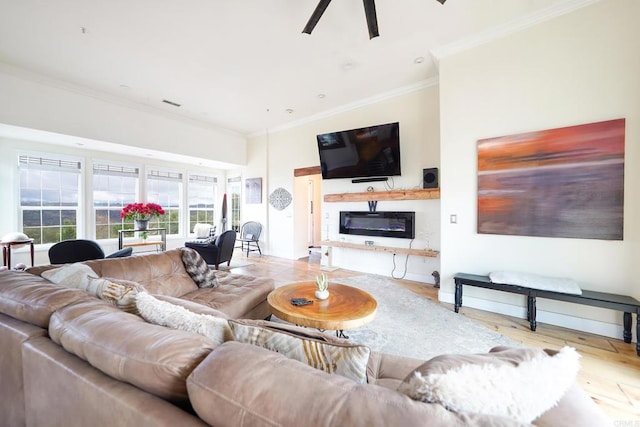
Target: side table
6	250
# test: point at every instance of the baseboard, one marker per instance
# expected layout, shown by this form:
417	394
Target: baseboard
597	327
423	278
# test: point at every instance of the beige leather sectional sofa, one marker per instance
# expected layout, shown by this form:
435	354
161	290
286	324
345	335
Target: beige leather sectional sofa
70	359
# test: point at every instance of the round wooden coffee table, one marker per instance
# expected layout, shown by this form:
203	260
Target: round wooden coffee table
346	308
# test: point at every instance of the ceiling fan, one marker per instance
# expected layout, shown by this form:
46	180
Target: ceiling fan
369	11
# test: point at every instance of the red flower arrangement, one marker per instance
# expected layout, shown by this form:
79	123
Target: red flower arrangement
141	211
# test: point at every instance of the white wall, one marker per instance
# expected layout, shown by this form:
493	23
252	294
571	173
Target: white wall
256	168
578	68
36	102
418	114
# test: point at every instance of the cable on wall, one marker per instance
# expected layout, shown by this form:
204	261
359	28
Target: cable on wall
406	261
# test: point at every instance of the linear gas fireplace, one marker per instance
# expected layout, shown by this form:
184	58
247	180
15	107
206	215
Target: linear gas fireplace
386	224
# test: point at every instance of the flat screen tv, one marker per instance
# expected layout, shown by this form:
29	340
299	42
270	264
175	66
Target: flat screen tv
372	151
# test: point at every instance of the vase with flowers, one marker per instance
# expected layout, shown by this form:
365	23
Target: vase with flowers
141	213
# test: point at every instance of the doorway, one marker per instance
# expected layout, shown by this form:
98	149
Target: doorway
308	212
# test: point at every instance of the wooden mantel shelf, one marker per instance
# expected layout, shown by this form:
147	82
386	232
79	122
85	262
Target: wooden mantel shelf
388	249
419	194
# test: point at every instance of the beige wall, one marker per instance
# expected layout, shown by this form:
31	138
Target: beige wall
578	68
289	149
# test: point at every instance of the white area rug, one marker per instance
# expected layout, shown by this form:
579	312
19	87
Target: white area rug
410	325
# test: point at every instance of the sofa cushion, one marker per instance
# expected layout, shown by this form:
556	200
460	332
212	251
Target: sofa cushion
235	295
160	273
34	299
174	316
125	347
521	383
74	275
240	384
198	269
118	292
318	350
389	370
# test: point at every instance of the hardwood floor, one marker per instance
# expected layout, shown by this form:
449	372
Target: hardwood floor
610	371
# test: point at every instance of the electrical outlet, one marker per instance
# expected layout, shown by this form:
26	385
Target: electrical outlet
453	219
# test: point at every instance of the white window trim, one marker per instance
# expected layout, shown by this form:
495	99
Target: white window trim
80	216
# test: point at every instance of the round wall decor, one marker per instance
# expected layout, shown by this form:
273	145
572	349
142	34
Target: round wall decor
280	198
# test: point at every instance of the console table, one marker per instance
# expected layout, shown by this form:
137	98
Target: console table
159	244
623	303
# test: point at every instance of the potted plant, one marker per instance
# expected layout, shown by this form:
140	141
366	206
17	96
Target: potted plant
322	287
141	213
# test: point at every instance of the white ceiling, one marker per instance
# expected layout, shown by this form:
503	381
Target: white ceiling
240	64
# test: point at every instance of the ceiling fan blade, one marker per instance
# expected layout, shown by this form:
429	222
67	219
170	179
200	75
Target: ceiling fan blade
372	19
315	17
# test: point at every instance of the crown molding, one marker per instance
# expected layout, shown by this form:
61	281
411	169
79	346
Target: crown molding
47	80
423	84
503	30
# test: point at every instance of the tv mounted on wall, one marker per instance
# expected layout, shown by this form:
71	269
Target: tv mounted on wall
372	151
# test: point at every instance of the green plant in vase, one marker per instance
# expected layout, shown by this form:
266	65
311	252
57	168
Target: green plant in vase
322	287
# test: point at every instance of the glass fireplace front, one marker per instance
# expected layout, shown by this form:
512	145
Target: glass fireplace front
386	224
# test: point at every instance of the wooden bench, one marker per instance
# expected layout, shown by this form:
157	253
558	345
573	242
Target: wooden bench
622	303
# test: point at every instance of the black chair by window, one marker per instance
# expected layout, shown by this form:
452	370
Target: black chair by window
217	252
77	250
250	235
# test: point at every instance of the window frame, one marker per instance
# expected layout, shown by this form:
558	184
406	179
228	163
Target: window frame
112	164
79	208
201	177
234	209
172	175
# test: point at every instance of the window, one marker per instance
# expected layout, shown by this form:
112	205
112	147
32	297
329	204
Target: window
234	186
201	192
49	194
165	189
113	188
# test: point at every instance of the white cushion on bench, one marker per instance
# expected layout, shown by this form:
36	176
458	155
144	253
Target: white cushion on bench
534	281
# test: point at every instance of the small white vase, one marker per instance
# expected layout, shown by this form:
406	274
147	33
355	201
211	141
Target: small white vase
322	294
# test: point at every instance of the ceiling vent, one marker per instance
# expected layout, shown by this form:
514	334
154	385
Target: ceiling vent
166	101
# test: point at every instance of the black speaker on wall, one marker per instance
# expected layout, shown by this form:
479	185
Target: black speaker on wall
430	178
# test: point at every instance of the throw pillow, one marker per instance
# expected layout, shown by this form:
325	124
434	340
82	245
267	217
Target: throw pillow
198	269
201	230
72	275
535	281
119	292
520	383
174	316
316	349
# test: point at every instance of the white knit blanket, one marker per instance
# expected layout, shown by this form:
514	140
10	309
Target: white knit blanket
534	281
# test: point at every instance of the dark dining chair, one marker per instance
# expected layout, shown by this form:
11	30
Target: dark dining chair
250	235
77	250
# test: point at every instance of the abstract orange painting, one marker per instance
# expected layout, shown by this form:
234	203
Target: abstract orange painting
565	182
